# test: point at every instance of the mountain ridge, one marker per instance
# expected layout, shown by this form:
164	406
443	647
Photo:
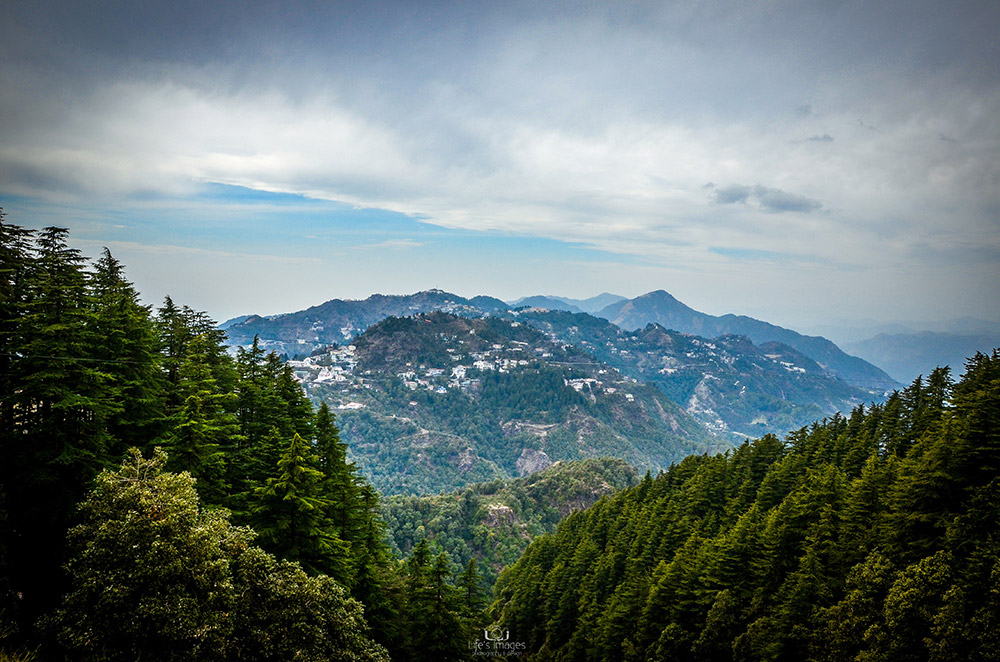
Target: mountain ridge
663	308
436	401
552	302
908	355
736	388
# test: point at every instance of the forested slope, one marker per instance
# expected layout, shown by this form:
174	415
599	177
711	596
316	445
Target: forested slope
442	402
493	522
870	537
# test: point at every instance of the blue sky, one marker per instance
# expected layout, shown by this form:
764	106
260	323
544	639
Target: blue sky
798	162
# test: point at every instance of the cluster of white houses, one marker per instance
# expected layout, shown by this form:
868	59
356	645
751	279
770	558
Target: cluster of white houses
338	367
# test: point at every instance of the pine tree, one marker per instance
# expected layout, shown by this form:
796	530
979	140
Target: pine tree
59	406
202	433
128	354
290	514
431	620
252	390
343	485
16	264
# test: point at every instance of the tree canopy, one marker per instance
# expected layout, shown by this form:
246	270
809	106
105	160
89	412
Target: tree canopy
869	537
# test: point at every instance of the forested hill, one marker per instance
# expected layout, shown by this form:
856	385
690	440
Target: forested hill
870	537
435	402
735	388
493	522
340	320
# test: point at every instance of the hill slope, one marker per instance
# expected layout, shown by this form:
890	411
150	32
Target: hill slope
435	402
735	388
494	522
661	308
872	537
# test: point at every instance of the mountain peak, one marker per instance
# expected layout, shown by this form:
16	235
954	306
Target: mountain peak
659	296
663	308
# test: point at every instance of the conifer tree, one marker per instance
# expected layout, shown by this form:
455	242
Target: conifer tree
343	485
290	514
471	590
60	405
202	433
128	355
252	390
16	263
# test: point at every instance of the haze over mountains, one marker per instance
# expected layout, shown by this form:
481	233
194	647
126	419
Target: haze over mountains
591	305
662	308
906	356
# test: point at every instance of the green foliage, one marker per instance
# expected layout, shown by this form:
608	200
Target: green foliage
155	577
88	372
872	537
66	395
291	513
492	523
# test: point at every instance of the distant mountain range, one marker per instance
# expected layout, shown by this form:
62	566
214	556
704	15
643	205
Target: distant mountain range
338	321
845	332
646	379
735	388
907	355
435	402
661	308
591	305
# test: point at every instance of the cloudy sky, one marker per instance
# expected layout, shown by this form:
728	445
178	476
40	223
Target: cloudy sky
798	162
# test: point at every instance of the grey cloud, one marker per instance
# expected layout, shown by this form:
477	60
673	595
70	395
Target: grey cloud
731	194
771	200
776	200
825	138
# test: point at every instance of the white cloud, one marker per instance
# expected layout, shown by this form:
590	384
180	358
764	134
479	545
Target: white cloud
600	129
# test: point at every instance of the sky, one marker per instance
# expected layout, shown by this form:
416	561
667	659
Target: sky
799	162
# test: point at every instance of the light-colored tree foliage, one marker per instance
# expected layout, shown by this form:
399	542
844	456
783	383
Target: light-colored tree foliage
154	577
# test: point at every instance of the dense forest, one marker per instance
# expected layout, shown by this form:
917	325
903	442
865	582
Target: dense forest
874	536
493	522
218	515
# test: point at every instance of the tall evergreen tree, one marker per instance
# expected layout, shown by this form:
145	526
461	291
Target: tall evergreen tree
59	407
290	514
128	355
202	433
343	484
